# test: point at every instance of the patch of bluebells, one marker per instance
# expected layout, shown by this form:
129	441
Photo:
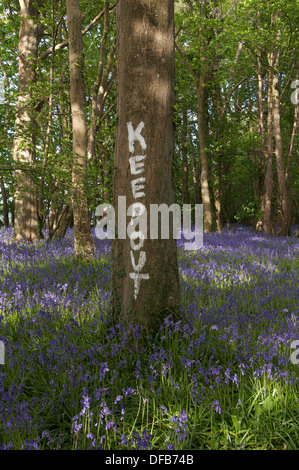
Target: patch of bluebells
241	311
143	441
216	406
180	426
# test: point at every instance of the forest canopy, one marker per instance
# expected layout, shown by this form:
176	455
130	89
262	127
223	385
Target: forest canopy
236	111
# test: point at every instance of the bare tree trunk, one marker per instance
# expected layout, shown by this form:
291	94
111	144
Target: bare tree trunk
284	191
186	199
42	213
82	229
217	198
145	272
25	199
261	151
62	222
218	190
268	190
5	205
260	120
195	172
98	85
201	109
3	189
294	130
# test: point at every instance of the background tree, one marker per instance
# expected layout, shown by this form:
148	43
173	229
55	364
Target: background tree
82	231
25	205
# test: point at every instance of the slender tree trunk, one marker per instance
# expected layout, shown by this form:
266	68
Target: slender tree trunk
218	191
97	85
25	198
261	157
268	189
284	191
195	172
217	197
42	213
186	199
3	189
260	120
205	190
61	223
106	192
82	229
5	205
294	130
145	272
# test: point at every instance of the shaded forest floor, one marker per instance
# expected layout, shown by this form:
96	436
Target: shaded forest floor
221	379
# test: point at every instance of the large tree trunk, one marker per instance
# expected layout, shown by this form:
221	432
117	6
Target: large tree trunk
145	273
82	229
25	198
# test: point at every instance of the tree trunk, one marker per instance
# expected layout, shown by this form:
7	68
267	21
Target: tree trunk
97	85
284	191
25	199
195	171
61	225
42	213
145	272
185	161
260	120
218	189
5	205
261	151
205	191
267	198
82	229
292	139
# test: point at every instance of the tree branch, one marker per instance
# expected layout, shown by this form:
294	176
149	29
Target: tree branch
66	42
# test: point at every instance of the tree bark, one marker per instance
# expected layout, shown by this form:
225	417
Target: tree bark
201	109
284	191
268	188
262	150
98	86
61	224
82	230
25	199
186	199
195	171
145	273
294	130
5	204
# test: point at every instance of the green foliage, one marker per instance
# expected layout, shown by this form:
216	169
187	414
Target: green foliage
211	29
248	213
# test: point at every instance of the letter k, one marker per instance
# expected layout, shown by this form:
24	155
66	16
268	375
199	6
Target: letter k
135	135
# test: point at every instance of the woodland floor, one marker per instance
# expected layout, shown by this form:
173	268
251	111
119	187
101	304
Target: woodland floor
222	378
